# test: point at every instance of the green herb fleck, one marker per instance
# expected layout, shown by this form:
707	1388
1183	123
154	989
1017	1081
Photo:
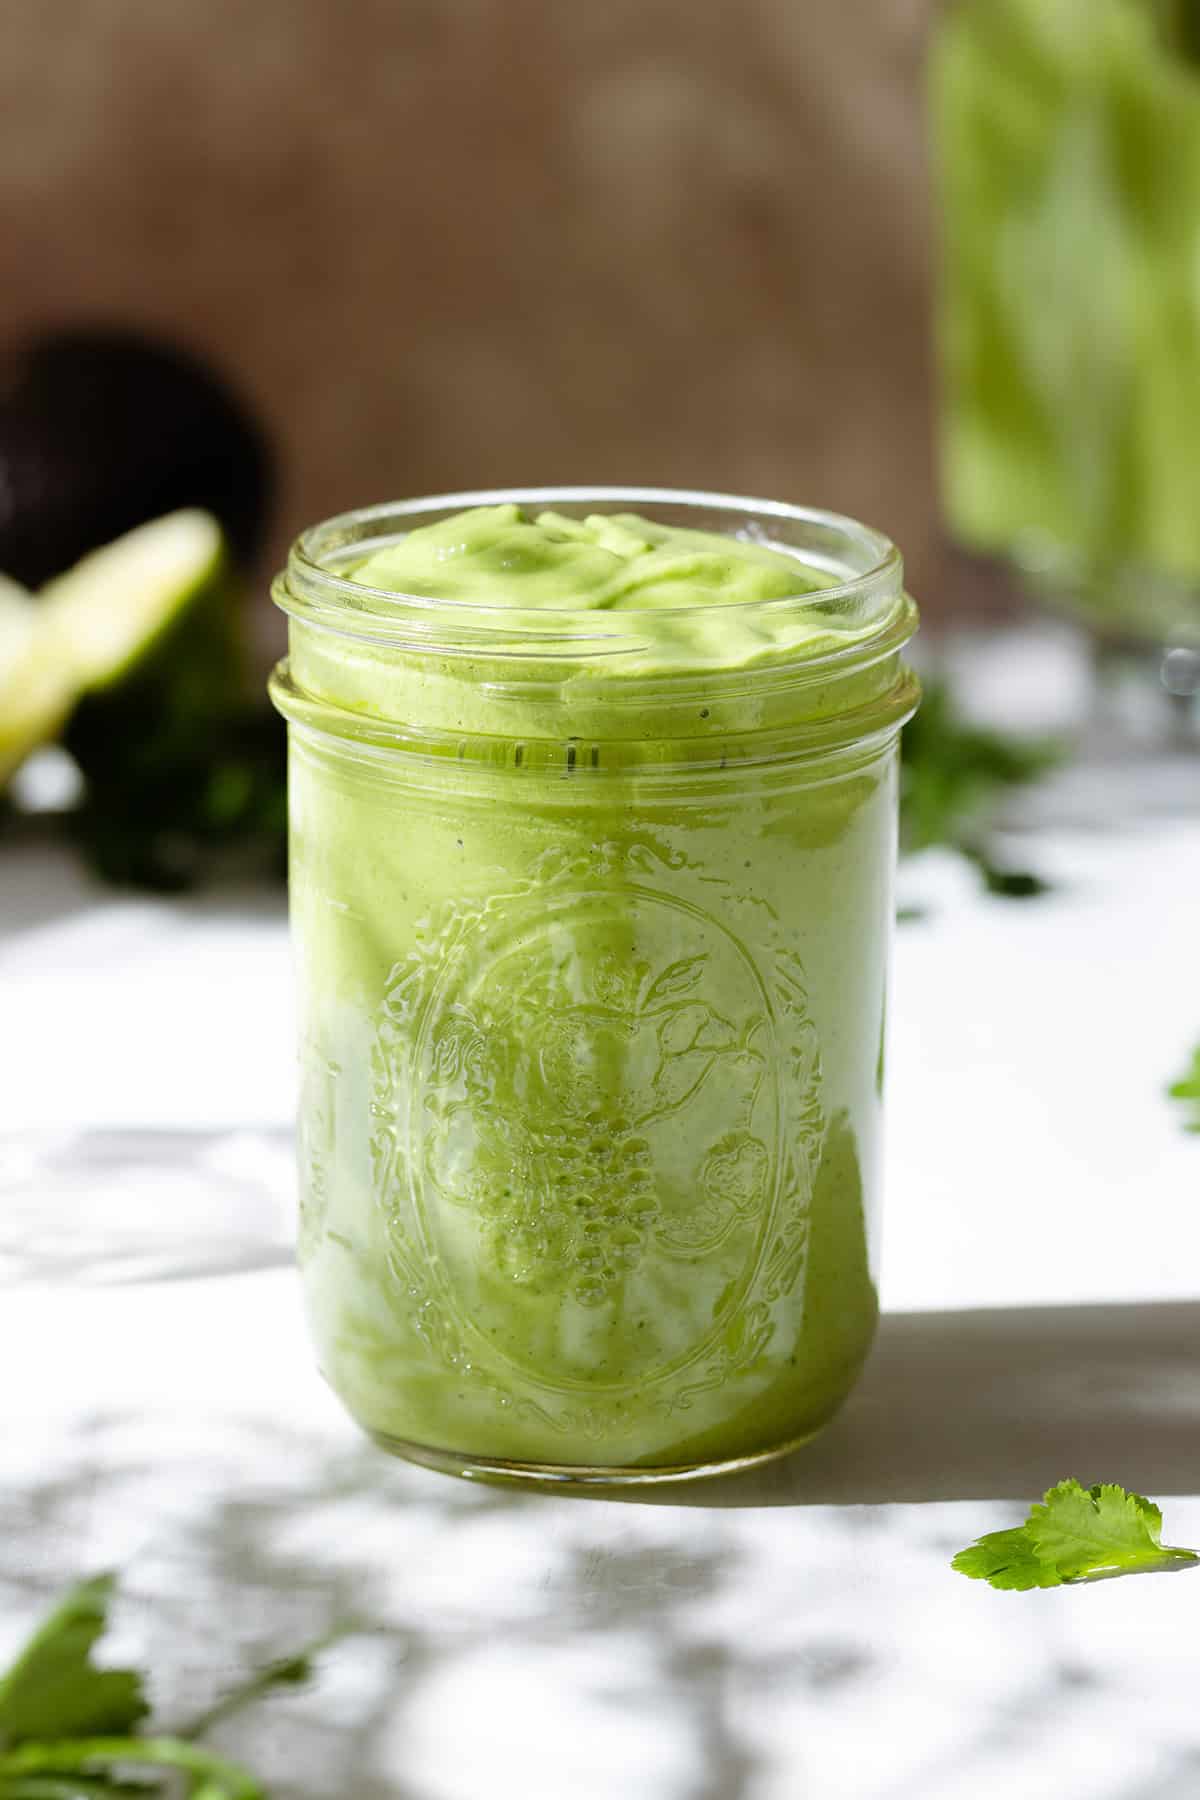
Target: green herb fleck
1187	1090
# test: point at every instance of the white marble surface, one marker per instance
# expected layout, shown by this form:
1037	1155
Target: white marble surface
796	1633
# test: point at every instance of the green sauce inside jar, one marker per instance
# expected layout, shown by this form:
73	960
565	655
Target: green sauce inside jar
593	823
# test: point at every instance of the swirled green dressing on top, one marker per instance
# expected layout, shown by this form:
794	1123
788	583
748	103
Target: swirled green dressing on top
710	593
607	562
641	603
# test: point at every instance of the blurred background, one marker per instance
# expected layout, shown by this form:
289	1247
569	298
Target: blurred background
450	243
934	265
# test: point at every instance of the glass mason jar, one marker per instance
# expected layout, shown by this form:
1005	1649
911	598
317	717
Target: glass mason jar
592	933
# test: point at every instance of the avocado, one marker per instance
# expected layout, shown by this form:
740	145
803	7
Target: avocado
102	429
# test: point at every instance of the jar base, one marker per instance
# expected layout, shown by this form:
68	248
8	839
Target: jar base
580	1477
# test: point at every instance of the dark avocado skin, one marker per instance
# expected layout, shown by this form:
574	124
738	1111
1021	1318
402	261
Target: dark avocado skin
104	428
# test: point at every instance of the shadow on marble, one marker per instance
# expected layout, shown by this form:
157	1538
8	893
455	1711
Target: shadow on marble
46	883
661	1655
999	1405
113	1206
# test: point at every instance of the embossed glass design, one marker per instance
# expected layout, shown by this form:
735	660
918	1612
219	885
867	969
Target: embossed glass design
592	925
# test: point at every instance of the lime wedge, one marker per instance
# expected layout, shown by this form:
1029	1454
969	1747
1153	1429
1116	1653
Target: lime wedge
17	613
105	614
92	626
35	695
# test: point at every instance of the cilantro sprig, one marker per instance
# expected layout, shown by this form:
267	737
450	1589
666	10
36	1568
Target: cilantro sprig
953	773
1075	1534
54	1690
1187	1090
69	1729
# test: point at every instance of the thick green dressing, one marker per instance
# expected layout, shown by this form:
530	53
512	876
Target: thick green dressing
590	1118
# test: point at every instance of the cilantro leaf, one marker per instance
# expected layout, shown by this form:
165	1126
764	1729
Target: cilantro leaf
54	1690
1007	1559
68	1730
1187	1089
76	1787
1075	1534
1086	1533
209	1776
953	775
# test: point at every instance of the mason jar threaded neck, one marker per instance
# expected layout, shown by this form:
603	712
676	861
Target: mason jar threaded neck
389	667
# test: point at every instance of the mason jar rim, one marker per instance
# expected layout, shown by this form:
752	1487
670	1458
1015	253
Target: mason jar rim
866	589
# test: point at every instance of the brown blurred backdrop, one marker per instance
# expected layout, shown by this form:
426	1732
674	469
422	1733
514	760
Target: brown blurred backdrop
446	243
